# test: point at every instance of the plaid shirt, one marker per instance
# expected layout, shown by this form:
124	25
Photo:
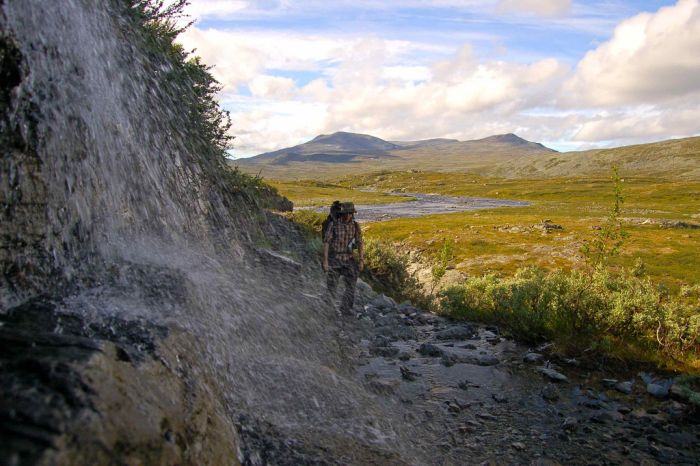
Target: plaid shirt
339	234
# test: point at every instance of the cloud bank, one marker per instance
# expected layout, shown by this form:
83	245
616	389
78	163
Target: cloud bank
285	86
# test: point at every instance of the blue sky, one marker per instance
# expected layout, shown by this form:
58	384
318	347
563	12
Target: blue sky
569	74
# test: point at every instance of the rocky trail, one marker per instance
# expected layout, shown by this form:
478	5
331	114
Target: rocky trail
481	398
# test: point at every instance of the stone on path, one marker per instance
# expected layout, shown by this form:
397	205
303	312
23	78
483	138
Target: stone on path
624	387
550	392
427	349
408	374
552	375
533	357
458	332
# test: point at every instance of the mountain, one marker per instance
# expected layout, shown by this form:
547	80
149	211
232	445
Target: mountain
343	152
338	147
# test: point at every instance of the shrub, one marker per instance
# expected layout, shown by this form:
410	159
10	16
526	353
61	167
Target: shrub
310	220
582	310
386	270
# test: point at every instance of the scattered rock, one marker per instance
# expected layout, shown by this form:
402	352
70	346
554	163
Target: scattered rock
487	360
384	351
459	332
657	390
550	392
397	332
570	424
625	387
427	349
499	398
449	360
383	386
404	356
453	407
465	385
468	346
533	357
552	375
408	374
607	416
679	224
383	302
609	383
487	416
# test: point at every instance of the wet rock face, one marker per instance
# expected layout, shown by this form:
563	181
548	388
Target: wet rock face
120	392
22	189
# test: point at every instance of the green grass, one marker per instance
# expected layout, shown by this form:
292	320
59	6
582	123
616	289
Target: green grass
505	239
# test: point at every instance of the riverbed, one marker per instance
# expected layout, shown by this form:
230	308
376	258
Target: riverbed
429	204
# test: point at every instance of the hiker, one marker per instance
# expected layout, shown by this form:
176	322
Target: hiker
342	235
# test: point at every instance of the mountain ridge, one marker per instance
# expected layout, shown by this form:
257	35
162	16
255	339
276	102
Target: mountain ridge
505	155
342	146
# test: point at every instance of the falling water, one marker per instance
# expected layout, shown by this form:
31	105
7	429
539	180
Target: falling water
106	194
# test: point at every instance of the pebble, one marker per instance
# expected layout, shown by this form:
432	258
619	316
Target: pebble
427	349
449	360
624	387
408	374
520	446
533	357
570	424
498	398
656	390
460	332
550	392
487	417
487	360
553	375
609	383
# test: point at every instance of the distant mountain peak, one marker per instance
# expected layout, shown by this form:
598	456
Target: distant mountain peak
509	138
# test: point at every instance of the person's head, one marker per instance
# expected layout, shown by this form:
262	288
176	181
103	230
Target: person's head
347	209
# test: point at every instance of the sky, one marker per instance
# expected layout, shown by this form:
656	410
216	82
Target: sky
570	74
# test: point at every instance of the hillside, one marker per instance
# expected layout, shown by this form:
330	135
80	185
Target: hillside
675	158
505	155
341	153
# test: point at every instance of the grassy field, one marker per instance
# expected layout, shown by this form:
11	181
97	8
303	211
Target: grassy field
505	239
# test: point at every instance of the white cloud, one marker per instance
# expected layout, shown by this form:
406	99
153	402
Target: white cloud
199	9
272	86
640	84
650	58
537	7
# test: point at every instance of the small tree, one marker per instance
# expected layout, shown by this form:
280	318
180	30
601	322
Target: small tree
608	240
438	271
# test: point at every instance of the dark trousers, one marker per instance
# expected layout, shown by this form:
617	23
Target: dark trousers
349	270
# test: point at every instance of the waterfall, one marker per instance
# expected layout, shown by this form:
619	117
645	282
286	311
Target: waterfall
113	206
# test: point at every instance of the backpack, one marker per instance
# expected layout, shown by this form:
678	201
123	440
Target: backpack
332	216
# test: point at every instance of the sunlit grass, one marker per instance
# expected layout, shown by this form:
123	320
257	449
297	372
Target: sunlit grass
505	239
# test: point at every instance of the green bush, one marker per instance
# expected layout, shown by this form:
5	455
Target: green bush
583	309
255	189
386	270
310	220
